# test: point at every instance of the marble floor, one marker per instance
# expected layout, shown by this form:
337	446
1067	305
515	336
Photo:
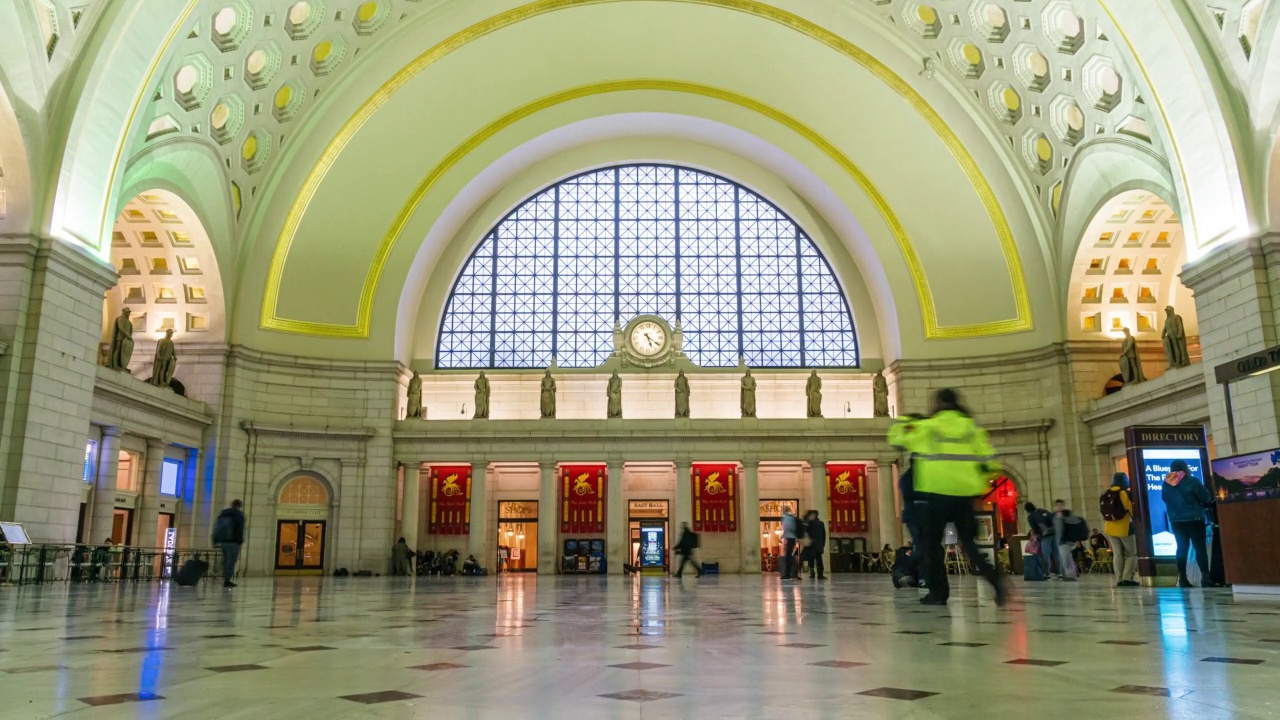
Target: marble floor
519	646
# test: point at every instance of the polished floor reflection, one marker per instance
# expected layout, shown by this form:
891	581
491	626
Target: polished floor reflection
521	646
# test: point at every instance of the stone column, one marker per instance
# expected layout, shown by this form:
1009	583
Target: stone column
887	524
479	540
1235	290
51	317
617	541
148	523
548	520
104	489
749	523
410	511
818	488
683	510
191	502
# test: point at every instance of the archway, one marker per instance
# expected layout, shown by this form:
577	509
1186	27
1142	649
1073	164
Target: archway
169	278
15	178
1126	273
302	525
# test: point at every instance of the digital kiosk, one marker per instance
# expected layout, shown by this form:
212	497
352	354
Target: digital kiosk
1150	450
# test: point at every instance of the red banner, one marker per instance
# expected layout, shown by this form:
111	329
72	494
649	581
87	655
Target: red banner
715	497
450	500
846	498
582	498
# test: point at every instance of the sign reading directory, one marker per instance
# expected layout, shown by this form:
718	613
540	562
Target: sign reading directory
1151	449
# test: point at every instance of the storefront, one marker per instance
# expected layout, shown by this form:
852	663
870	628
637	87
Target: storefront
771	531
517	536
302	519
648	513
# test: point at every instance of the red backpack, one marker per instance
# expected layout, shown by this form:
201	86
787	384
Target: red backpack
1112	506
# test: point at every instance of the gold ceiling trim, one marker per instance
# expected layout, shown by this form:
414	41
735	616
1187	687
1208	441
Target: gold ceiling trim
271	321
108	217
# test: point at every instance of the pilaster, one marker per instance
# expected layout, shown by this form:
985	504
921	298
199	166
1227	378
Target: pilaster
104	490
548	520
749	525
617	544
148	520
479	539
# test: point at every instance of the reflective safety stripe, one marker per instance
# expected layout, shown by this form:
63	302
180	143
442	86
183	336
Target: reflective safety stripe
957	458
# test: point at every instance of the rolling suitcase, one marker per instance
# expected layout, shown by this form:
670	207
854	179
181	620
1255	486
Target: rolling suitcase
191	572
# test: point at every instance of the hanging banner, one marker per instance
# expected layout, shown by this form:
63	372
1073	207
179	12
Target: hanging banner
582	498
846	498
450	500
715	497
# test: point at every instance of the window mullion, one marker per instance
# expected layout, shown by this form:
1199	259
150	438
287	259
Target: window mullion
493	302
800	295
555	277
737	247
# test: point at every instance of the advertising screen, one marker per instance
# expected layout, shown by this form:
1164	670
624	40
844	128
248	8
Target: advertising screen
653	547
1247	477
1155	466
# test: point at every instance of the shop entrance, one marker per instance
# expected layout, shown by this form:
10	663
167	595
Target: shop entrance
771	531
648	513
300	545
518	536
121	526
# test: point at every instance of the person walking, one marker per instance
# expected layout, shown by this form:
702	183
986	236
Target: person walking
1185	500
228	534
953	464
790	534
1117	513
400	556
684	548
1068	529
1041	524
816	531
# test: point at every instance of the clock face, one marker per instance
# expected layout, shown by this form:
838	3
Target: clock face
648	338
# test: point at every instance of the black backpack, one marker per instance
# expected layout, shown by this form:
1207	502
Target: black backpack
1075	532
1112	505
222	529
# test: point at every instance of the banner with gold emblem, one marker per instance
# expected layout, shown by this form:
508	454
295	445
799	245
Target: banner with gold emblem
450	500
582	498
846	498
715	497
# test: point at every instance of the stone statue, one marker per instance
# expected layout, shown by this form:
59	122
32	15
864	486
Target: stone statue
748	395
682	395
482	397
165	362
615	396
1175	339
814	390
548	396
1130	363
121	342
880	395
414	412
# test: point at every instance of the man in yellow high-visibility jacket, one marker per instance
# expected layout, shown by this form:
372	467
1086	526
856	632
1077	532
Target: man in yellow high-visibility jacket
953	463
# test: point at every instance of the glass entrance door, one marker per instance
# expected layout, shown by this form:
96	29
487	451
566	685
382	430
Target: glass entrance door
300	545
518	536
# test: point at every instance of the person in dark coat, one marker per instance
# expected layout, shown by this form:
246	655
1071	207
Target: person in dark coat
228	534
684	548
816	531
1185	500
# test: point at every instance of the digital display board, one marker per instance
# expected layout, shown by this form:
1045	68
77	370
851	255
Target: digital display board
1247	477
1151	449
653	546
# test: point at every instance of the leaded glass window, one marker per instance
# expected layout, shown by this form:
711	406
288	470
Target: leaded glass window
739	276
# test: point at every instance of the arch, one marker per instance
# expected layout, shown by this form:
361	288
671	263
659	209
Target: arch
16	192
303	489
169	277
1126	270
284	477
607	245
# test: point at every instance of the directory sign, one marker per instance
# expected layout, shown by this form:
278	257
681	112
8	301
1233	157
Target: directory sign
1151	450
653	546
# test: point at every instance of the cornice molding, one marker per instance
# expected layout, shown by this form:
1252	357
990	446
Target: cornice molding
359	434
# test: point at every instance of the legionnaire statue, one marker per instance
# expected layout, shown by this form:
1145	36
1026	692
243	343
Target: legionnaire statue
748	395
615	396
121	342
1130	363
813	389
482	397
1175	339
165	362
548	396
682	395
414	412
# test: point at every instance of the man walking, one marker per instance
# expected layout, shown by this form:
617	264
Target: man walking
953	463
790	533
816	531
1117	512
684	548
228	534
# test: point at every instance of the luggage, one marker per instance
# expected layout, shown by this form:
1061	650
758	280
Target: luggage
191	572
710	568
1032	569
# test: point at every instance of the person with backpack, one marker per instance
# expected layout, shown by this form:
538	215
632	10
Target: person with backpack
1117	512
1041	523
1186	500
684	548
228	534
816	532
953	463
1068	529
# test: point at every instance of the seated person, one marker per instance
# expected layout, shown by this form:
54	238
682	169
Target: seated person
1098	541
470	566
905	572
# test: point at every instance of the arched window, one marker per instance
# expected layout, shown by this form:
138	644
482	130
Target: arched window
304	490
555	276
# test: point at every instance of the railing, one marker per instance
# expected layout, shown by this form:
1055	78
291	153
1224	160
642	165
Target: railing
49	563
